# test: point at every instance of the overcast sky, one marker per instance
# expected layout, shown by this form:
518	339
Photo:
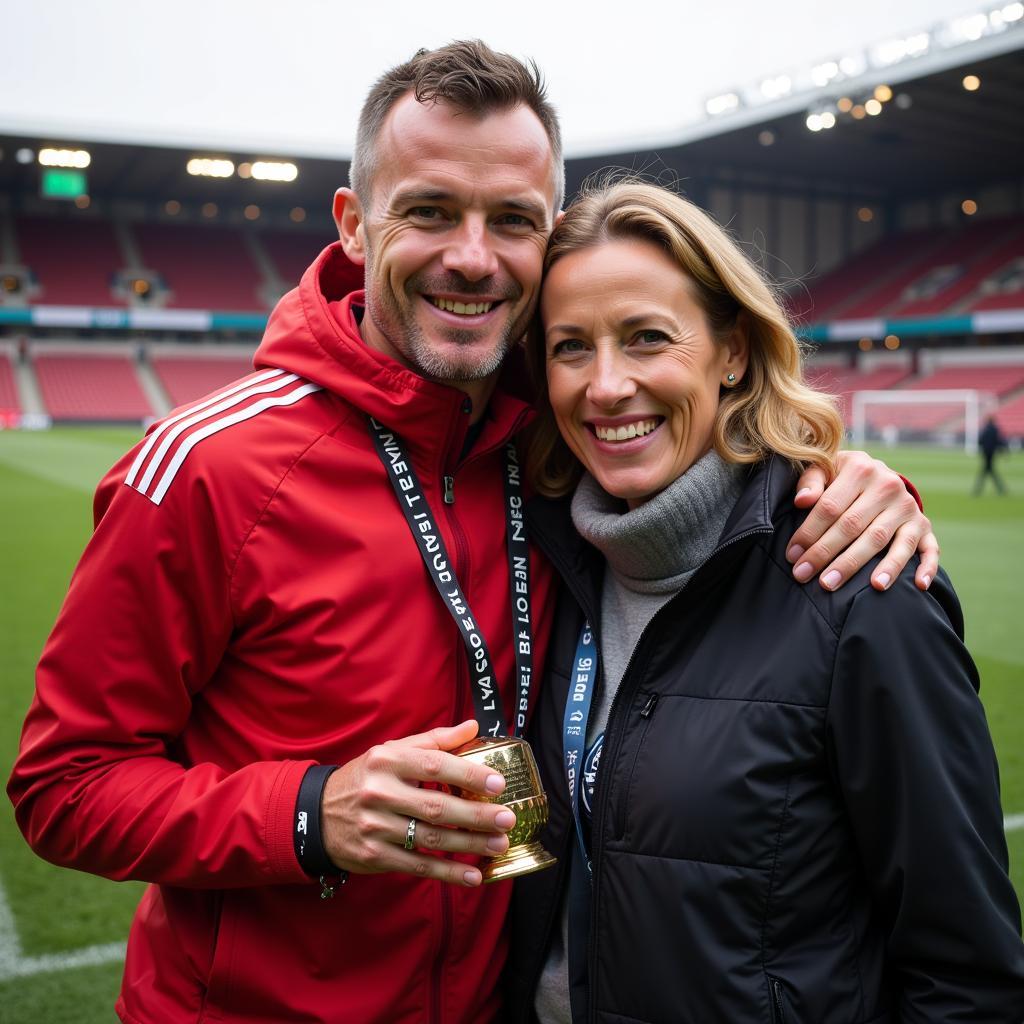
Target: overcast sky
288	78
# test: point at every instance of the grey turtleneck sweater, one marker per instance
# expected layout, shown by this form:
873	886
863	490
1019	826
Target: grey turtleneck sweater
651	552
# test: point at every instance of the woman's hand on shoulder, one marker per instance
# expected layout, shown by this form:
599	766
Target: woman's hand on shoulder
866	507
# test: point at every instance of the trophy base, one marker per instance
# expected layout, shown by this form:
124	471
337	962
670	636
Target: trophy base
523	859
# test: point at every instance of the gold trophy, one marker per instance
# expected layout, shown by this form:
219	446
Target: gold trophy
524	796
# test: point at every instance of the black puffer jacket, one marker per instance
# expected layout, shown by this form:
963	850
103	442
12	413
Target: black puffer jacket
797	813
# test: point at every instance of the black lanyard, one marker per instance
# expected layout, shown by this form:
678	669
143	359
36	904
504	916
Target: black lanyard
487	703
574	726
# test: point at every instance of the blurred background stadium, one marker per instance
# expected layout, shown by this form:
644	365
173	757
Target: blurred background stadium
880	184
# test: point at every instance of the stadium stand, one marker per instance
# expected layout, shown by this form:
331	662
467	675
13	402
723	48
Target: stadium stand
77	270
10	403
1004	289
938	249
203	268
843	381
979	252
90	387
291	252
996	379
186	378
827	298
920	273
1010	418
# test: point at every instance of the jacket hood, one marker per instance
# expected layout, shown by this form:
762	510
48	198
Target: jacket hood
307	337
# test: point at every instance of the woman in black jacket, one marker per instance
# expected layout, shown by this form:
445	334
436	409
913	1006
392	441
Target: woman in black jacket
770	803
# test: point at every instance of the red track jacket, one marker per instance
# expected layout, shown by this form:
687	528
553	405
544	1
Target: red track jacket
250	604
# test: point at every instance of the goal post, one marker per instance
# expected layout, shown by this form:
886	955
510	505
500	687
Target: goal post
952	402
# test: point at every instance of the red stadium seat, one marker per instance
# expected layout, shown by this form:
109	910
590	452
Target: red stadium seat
74	260
186	378
205	267
10	403
90	387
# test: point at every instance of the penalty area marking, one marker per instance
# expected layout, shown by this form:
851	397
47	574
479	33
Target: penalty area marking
13	964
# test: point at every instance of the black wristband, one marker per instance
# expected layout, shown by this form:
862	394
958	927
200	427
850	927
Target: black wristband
309	845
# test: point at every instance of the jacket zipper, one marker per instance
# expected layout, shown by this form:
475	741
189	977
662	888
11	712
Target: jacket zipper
612	741
778	1006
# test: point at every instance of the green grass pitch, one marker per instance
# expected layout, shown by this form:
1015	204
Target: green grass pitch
59	930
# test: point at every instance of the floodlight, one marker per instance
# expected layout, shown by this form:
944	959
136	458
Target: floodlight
969	207
298	214
50	157
24	156
828	119
873	107
251	212
972	83
891	51
1012	12
723	104
210	167
965	30
766	137
917	44
779	85
813	122
271	170
824	73
853	64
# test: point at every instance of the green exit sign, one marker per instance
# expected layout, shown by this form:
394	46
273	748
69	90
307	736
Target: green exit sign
59	183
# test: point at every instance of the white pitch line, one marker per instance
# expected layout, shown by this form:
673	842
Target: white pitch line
13	964
1013	821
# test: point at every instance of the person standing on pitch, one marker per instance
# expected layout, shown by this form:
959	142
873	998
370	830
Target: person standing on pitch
254	688
990	441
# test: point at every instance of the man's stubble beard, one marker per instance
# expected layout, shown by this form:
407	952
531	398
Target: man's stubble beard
400	327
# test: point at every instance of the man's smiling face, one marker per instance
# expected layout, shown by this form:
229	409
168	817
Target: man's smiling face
453	236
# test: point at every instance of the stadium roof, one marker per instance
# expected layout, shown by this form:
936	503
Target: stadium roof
946	138
290	78
943	139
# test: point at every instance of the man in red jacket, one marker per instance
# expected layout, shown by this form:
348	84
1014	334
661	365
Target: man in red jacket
253	610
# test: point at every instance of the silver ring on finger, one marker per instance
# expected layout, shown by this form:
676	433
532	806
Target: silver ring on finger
410	835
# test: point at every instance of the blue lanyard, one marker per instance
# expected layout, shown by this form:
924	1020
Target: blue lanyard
577	713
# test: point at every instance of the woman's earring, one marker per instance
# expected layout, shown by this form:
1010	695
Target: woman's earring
730	380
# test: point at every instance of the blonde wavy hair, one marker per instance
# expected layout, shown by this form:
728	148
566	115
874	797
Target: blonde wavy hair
771	410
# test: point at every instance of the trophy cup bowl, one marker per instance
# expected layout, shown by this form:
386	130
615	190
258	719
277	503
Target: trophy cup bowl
524	796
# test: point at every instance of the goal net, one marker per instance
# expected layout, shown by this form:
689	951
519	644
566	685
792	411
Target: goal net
945	417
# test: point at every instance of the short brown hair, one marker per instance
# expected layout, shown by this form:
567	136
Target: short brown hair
470	76
771	409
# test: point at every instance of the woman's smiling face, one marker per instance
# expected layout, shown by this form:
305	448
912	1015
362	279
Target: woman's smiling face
633	369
